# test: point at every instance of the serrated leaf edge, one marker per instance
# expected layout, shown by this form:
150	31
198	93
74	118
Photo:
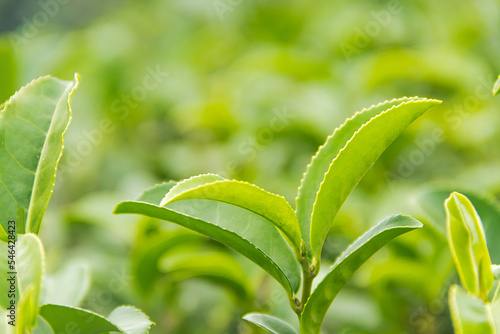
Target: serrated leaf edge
415	100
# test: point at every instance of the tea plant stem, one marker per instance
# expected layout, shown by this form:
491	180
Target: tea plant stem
308	272
306	288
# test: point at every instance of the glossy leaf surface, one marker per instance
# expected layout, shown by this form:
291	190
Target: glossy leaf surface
32	127
270	323
347	264
353	161
468	245
244	195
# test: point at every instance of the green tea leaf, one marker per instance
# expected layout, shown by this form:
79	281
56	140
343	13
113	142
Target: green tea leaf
32	127
472	315
155	195
244	195
130	320
347	264
244	231
30	268
431	201
468	245
496	87
3	234
321	161
68	286
216	267
188	184
353	161
270	323
64	319
5	328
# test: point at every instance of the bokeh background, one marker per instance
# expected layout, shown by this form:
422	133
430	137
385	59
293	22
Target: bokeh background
249	90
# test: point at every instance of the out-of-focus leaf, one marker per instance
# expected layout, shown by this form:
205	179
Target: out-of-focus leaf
42	327
130	320
347	264
355	158
496	271
30	267
3	234
32	127
63	319
472	315
8	71
468	245
270	323
496	86
244	195
69	286
321	161
156	194
431	201
244	231
4	326
146	256
217	267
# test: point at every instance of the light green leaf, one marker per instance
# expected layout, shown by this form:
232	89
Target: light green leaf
146	257
496	87
42	327
155	195
216	267
471	315
3	234
68	286
347	264
130	320
468	245
321	161
270	323
64	319
244	195
30	267
5	328
354	159
189	184
431	201
496	271
244	231
32	127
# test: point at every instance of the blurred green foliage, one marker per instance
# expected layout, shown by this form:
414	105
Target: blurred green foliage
249	90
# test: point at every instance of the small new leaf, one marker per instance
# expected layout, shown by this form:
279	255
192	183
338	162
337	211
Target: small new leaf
244	195
471	314
347	264
468	245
